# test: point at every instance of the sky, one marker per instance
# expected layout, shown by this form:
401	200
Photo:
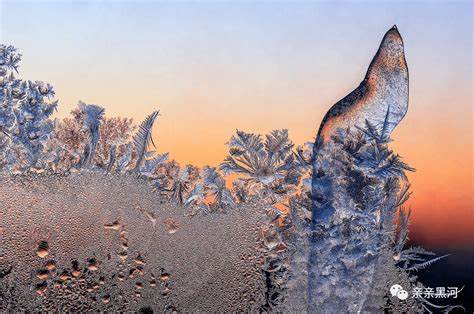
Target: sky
214	67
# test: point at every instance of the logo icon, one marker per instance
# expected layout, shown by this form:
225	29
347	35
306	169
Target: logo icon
398	291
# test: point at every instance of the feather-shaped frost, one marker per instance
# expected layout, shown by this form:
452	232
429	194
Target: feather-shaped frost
196	196
92	120
143	138
216	186
112	157
151	164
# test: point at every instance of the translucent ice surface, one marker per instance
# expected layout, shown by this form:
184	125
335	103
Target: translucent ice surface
94	241
384	89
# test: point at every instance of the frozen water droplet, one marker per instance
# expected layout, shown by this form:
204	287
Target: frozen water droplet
113	226
50	265
42	250
140	270
139	260
135	272
166	291
42	274
92	264
106	299
76	273
122	256
64	276
271	238
41	288
164	277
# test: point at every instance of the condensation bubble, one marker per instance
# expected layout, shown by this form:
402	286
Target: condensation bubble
41	288
106	299
92	264
42	250
42	274
50	265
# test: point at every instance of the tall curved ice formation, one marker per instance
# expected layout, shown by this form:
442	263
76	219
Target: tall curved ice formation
385	87
352	202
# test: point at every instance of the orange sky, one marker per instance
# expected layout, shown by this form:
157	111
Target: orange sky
211	68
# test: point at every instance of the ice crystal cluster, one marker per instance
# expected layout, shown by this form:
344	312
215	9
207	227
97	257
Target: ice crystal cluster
25	124
94	219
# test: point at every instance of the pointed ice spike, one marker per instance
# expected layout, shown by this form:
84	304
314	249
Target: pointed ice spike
385	86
